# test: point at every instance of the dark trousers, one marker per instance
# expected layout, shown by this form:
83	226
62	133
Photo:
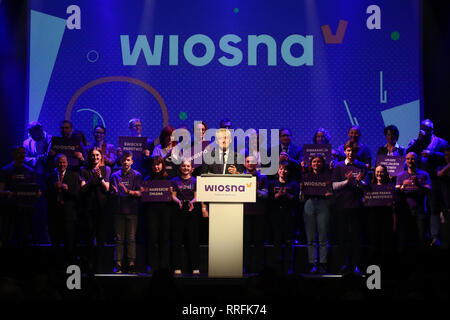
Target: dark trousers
253	234
185	223
349	234
434	204
158	234
62	231
125	227
412	229
381	234
96	237
445	244
16	224
282	235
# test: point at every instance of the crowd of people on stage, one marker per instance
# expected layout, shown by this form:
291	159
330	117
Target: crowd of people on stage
77	193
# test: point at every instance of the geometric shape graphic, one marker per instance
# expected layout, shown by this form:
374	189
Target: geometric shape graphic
96	116
395	35
383	98
92	56
140	83
407	119
337	38
46	34
353	120
182	115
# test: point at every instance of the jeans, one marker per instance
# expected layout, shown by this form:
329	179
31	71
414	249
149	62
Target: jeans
125	226
317	217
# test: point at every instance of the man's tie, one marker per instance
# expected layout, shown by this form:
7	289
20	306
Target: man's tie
61	177
223	160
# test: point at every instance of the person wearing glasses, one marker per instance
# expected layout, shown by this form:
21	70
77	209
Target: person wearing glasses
135	127
108	150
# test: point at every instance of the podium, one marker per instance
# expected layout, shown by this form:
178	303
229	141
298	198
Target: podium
226	195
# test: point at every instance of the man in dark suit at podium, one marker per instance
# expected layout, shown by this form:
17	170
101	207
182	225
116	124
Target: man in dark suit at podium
226	162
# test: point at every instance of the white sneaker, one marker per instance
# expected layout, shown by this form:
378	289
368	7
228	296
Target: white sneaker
177	271
196	271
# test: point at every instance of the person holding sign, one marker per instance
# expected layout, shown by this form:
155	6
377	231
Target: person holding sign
348	182
126	189
70	145
158	221
381	215
316	188
16	180
185	218
321	136
135	127
94	190
283	192
413	186
141	159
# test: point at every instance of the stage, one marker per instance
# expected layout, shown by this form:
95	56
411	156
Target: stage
34	274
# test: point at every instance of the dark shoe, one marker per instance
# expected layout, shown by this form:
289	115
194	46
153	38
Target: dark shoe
322	268
118	269
435	243
357	272
345	270
313	269
132	269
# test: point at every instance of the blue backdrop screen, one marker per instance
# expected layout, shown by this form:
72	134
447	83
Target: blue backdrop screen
264	64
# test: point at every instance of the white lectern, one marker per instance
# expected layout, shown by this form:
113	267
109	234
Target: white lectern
226	195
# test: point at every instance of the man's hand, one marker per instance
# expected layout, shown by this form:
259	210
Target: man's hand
122	186
284	156
232	169
349	175
78	155
426	153
359	176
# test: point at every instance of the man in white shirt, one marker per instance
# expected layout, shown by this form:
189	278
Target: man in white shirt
226	162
